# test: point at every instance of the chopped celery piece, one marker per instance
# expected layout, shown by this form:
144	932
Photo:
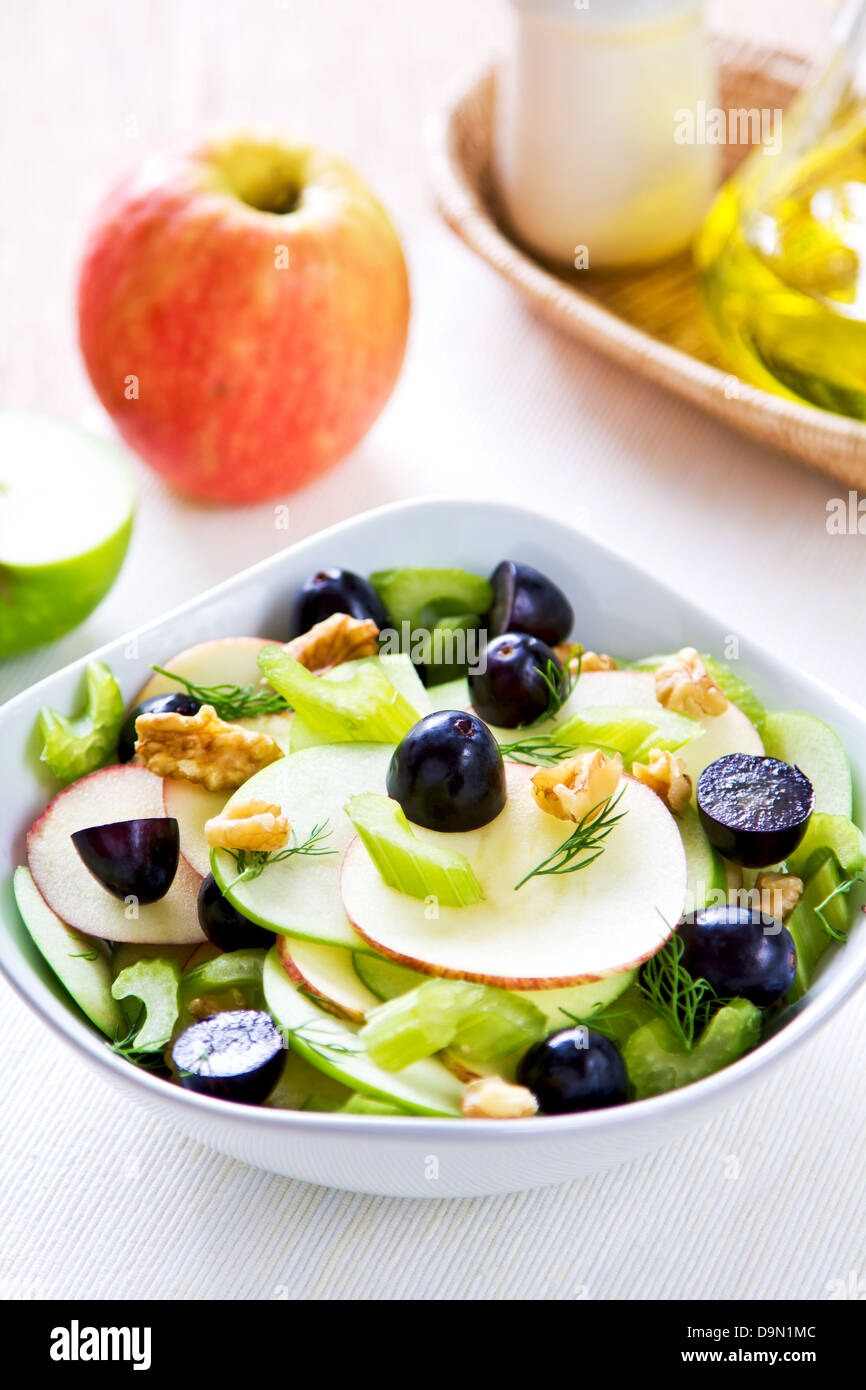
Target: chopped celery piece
366	1105
499	1023
477	1021
820	917
736	690
74	747
404	862
155	981
837	834
385	978
629	729
415	1025
444	650
241	970
406	593
363	707
657	1062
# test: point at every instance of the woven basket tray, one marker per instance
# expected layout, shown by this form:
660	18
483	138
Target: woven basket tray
651	319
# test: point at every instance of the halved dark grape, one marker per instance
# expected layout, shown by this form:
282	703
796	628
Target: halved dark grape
511	689
132	858
223	924
234	1056
525	600
742	952
574	1070
175	702
336	591
447	773
754	809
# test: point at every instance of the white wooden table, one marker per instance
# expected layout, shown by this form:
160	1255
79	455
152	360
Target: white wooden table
765	1203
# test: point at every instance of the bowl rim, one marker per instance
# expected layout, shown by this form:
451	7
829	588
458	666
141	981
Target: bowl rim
808	1015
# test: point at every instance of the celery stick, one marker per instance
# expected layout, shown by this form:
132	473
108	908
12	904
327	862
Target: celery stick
820	916
407	592
365	707
836	834
155	982
630	730
657	1062
406	863
74	747
415	1025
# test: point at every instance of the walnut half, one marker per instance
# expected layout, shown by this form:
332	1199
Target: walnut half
666	776
779	893
576	787
684	684
569	654
334	640
250	825
202	748
492	1098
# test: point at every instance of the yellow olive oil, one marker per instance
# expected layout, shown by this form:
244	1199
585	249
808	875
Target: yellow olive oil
783	271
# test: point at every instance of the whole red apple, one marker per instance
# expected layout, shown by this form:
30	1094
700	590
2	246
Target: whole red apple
243	308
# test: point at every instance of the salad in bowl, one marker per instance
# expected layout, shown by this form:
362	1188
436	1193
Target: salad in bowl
423	853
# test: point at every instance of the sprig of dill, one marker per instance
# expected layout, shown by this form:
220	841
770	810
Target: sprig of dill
124	1047
560	682
252	863
540	748
306	1032
685	1004
587	839
602	1019
231	701
833	932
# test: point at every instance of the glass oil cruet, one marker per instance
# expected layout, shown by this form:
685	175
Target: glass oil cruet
782	255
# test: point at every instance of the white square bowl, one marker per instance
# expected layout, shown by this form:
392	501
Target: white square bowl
618	609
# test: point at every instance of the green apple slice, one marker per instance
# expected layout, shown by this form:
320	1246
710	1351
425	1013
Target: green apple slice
302	1087
300	896
81	964
707	876
126	792
328	973
66	504
816	749
332	1045
558	929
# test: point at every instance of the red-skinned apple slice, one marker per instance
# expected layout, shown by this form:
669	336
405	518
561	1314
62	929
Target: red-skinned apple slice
223	661
192	805
327	973
557	930
112	794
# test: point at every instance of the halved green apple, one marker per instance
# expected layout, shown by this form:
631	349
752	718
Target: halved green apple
556	930
332	1045
300	896
66	505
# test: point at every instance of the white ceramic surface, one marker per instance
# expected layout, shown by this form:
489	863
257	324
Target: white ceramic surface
619	609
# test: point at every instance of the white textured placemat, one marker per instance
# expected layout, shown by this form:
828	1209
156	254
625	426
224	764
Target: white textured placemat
97	1200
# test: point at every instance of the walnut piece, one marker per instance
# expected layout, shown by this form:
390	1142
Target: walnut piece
665	774
202	748
568	654
334	640
684	684
576	787
251	825
492	1098
779	893
206	1005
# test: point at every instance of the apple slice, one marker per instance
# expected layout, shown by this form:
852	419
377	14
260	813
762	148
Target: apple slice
332	1045
730	732
80	964
192	805
119	793
300	896
328	973
223	661
816	749
557	930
